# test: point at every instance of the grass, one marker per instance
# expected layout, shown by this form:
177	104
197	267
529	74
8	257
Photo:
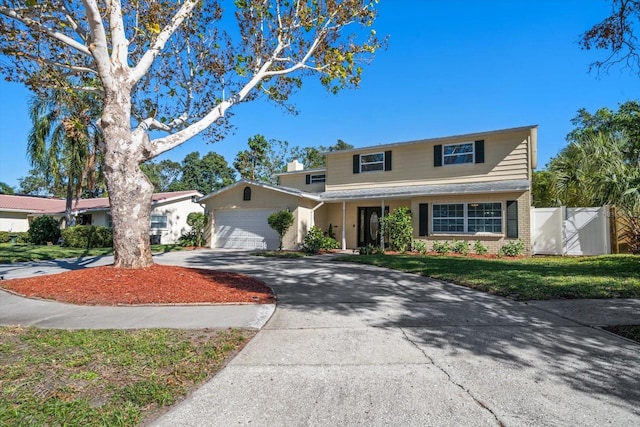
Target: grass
10	253
104	377
628	331
608	276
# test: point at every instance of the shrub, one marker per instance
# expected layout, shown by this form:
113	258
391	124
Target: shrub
316	240
87	237
198	222
512	248
419	246
441	247
20	237
398	225
280	222
460	247
190	238
4	237
44	229
479	248
370	250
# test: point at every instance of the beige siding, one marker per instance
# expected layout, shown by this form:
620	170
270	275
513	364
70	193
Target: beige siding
506	157
299	181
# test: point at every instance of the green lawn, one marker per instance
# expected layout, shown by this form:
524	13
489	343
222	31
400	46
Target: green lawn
104	377
535	278
20	252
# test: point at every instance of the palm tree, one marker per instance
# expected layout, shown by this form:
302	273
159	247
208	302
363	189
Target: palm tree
595	171
63	143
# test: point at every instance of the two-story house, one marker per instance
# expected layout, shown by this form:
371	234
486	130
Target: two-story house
467	187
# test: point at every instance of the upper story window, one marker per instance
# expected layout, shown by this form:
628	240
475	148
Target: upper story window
246	195
372	162
158	221
467	218
317	178
456	154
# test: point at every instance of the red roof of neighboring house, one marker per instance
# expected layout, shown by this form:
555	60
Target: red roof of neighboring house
43	205
29	203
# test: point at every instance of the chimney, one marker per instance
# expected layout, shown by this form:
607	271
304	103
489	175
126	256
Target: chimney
294	166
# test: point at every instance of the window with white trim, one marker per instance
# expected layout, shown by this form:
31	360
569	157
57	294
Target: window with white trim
457	154
317	178
467	218
158	221
372	162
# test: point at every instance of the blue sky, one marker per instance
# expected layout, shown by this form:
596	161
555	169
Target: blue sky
452	67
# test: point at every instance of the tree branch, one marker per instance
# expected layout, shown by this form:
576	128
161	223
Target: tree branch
38	27
98	46
150	55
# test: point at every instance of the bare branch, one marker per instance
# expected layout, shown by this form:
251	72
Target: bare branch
98	46
119	42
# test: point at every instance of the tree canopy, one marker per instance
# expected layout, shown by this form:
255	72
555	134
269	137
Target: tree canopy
166	71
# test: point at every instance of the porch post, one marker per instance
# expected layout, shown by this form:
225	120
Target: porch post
382	227
344	226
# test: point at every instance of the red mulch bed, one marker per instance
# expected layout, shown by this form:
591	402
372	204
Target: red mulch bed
158	284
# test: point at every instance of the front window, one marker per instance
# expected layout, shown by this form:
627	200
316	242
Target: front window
158	221
457	154
467	218
372	162
317	178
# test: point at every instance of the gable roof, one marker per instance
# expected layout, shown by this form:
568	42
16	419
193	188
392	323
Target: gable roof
43	205
278	188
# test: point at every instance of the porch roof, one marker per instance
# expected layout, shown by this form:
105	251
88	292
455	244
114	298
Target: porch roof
427	190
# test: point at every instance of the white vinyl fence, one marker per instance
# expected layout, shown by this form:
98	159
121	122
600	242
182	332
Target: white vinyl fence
571	231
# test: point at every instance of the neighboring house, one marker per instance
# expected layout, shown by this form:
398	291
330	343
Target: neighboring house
467	187
168	212
15	210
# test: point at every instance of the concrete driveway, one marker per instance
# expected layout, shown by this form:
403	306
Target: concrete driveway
360	345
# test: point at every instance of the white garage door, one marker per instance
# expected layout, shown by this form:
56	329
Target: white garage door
244	229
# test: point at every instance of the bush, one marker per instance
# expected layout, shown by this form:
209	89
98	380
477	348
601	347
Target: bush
460	247
198	222
20	237
87	237
316	240
398	225
419	246
479	248
44	229
441	247
191	238
370	250
512	248
280	222
4	237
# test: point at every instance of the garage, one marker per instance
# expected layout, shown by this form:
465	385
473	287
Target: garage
244	229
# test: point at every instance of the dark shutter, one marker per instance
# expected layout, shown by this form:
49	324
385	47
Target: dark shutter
356	163
387	160
308	179
437	155
480	151
512	219
423	218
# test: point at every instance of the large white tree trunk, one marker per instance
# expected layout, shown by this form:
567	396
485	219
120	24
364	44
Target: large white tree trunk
130	191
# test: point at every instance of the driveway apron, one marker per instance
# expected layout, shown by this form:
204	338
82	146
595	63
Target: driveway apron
360	345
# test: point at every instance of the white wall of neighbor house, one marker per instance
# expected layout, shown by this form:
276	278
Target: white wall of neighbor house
176	213
15	222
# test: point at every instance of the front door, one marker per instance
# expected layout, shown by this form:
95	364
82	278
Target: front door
369	225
